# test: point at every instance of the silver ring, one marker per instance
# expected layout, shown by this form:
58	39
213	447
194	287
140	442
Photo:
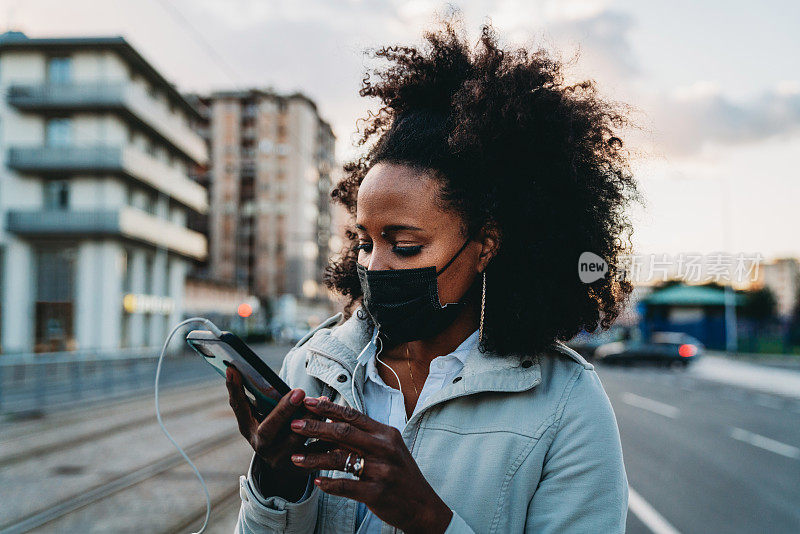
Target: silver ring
347	467
356	467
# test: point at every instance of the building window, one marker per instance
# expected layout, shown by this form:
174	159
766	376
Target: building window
59	70
56	195
161	290
127	275
149	266
54	304
168	280
149	202
58	132
125	334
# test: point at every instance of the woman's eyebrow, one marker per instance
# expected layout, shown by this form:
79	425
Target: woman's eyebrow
393	227
397	227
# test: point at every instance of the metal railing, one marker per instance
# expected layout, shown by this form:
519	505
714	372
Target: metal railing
124	221
33	383
49	159
112	95
102	159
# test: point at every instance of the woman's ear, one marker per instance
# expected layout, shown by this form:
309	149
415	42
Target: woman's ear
489	238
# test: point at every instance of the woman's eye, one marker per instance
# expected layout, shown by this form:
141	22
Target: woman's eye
402	251
407	251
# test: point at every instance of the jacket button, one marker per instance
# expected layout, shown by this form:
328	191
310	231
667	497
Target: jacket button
527	363
342	378
456	379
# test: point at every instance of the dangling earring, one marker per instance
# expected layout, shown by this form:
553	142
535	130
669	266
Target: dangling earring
483	305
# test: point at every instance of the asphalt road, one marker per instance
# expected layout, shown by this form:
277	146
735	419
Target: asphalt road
706	456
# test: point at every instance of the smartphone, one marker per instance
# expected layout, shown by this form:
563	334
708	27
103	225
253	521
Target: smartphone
228	350
264	385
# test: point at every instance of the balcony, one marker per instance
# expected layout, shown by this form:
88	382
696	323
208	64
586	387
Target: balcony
130	101
125	222
125	161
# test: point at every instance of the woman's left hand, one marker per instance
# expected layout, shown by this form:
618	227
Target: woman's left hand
391	484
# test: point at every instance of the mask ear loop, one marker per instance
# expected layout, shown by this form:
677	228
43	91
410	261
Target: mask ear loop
455	255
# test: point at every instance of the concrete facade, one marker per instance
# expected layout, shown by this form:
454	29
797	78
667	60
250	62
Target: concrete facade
94	196
269	179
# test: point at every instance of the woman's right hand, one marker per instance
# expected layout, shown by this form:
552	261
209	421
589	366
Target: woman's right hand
272	438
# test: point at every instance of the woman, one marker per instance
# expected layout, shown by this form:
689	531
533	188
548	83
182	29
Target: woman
447	402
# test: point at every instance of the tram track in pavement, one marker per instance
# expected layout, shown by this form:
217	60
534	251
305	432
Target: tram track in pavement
59	446
121	483
219	504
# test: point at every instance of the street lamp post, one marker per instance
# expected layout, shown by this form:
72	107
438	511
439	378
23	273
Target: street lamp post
731	335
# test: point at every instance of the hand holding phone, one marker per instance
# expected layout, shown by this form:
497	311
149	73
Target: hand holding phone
271	438
226	350
264	420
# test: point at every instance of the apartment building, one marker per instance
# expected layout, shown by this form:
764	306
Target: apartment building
94	195
782	276
269	180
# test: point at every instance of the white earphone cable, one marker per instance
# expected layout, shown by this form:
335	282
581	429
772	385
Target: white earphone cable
395	375
217	332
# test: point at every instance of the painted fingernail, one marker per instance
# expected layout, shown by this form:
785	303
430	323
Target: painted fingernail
324	397
298	423
311	401
298	458
317	481
296	398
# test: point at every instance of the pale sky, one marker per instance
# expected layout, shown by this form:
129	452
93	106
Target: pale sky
716	84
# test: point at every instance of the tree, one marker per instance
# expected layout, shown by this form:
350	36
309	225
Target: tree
760	305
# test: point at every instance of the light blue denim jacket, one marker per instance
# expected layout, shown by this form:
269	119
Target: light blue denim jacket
518	444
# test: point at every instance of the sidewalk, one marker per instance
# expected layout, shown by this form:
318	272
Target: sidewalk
739	372
784	361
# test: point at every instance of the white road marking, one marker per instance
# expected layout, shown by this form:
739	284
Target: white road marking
651	405
648	515
769	401
765	443
752	376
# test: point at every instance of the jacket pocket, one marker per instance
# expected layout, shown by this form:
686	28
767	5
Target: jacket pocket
477	471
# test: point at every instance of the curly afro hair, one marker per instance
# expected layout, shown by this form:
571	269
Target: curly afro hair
519	150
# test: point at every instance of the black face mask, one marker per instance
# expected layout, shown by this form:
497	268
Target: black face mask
404	303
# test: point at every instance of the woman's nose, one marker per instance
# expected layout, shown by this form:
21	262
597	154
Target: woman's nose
377	260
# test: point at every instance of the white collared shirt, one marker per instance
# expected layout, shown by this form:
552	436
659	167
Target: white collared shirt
385	404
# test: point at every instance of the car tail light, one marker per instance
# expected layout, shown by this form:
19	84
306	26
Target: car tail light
687	350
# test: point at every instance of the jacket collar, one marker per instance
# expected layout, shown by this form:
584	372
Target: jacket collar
336	350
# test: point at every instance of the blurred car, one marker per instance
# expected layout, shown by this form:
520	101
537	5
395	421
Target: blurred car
665	348
586	343
289	334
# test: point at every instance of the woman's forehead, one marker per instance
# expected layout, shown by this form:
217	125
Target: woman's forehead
396	194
